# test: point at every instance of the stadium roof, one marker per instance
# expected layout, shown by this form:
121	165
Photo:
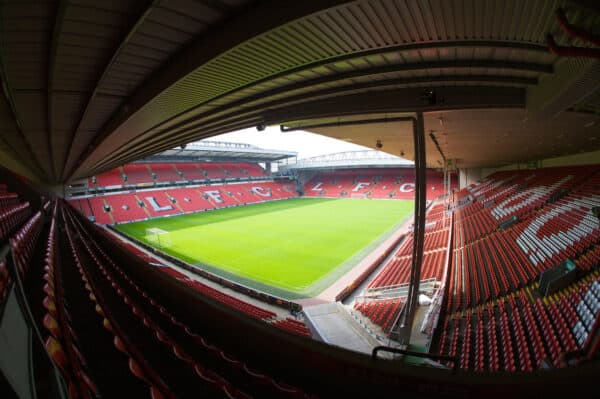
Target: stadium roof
220	151
91	85
347	159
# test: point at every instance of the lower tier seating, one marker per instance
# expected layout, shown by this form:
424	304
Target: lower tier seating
384	183
150	351
522	332
127	207
383	312
293	325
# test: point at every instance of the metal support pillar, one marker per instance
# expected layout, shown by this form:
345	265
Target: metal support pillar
419	230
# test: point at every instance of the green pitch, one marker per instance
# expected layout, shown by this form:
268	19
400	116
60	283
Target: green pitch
293	248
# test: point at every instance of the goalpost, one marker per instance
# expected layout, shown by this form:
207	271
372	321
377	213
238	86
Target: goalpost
158	237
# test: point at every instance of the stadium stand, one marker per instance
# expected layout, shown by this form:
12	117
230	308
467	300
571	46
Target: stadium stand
110	178
383	312
137	174
180	361
189	171
496	322
164	172
496	319
127	207
293	325
502	87
373	183
150	173
435	252
493	261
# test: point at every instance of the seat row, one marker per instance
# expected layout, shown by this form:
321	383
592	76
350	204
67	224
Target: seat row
397	270
11	217
492	263
229	300
167	354
126	207
516	333
293	325
504	195
24	241
144	173
382	183
62	343
383	312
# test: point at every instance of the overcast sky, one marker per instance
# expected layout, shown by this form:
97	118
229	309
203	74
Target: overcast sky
304	143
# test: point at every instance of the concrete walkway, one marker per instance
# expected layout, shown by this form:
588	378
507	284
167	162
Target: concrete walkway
336	327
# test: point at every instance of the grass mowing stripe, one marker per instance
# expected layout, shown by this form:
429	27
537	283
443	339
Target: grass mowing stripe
290	248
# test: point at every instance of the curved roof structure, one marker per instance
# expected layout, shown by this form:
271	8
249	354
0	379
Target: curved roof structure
91	85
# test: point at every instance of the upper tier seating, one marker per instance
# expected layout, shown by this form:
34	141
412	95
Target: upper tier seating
150	173
113	177
373	183
190	171
137	174
165	172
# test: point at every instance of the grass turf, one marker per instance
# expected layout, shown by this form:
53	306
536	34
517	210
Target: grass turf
292	248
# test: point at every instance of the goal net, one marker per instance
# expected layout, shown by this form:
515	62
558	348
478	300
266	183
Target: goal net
158	237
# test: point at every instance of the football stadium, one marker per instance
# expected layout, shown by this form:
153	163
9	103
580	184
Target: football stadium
173	225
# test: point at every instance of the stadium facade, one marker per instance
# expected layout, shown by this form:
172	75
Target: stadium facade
493	289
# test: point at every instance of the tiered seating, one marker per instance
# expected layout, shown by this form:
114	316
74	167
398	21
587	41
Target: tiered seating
556	225
12	216
293	325
8	199
148	381
168	357
383	312
233	170
164	206
137	174
165	172
98	210
189	199
24	241
110	178
435	247
212	170
588	310
230	300
373	183
253	170
125	208
521	332
512	194
190	171
141	173
62	342
397	270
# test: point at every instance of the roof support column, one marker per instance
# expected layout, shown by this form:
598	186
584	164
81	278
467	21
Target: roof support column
419	230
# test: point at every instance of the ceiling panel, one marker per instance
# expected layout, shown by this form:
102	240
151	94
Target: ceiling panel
101	83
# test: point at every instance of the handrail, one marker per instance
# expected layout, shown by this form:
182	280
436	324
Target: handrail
416	354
